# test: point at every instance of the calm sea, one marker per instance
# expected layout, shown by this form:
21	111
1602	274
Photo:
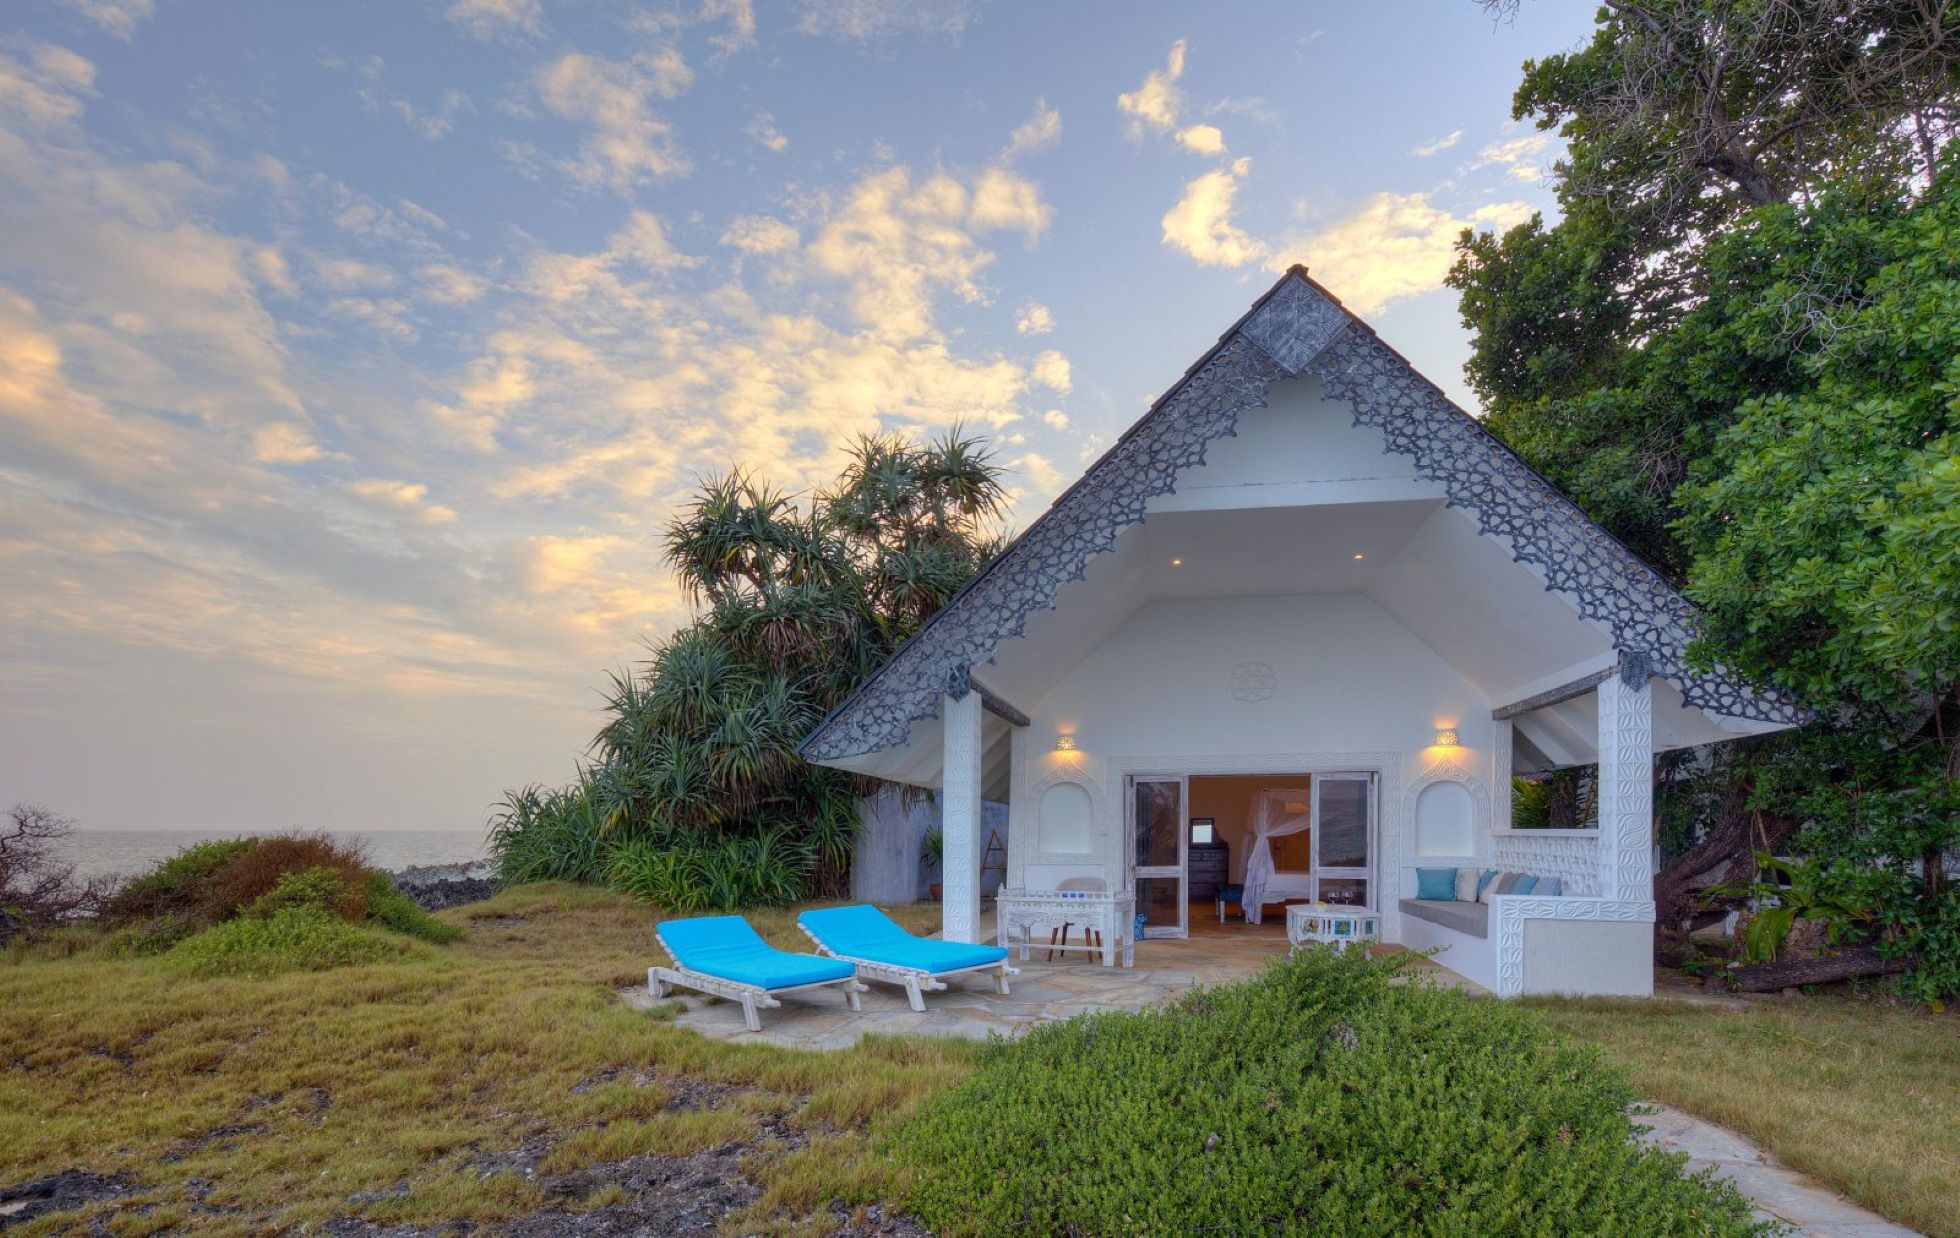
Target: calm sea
105	853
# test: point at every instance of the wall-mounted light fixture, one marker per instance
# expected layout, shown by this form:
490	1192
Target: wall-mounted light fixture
1065	743
1446	738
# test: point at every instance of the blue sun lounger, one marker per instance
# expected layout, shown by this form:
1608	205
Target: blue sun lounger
883	951
724	956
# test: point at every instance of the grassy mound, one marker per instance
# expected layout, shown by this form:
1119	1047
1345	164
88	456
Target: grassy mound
261	906
291	939
1320	1097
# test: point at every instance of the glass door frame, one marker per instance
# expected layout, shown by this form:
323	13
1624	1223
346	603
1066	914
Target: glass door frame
1367	872
1180	871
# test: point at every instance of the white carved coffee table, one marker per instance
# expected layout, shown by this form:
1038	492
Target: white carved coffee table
1331	924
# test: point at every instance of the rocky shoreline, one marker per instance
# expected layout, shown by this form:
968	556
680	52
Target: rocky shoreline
438	886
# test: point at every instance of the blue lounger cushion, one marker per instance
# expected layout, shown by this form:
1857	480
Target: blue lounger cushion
864	932
726	947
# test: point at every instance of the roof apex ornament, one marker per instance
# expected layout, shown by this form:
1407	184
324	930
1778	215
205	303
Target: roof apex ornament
1295	322
1636	667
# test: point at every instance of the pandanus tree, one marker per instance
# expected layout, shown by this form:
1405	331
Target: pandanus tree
797	601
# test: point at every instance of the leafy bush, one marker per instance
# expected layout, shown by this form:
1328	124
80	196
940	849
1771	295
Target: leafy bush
690	873
292	939
550	834
323	889
391	909
216	884
256	872
1319	1097
172	890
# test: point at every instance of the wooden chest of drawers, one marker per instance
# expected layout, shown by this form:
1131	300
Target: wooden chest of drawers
1208	867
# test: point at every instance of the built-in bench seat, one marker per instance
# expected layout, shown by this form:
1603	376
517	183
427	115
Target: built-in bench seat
1470	918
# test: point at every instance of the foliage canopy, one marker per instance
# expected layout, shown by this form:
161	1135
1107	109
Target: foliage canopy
696	798
1736	349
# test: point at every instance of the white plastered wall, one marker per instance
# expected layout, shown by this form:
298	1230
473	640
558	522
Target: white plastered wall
1305	683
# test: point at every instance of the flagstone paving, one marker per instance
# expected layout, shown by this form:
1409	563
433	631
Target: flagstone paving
1044	991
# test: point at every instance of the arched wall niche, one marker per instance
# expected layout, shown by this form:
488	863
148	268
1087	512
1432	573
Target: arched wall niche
1445	820
1067	819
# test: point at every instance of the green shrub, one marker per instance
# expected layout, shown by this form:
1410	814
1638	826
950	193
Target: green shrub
545	834
391	909
1319	1098
259	879
293	939
322	889
689	873
171	888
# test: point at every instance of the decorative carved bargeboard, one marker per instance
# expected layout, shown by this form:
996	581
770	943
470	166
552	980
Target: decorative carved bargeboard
1296	330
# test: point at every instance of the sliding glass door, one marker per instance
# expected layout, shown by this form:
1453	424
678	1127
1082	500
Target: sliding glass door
1344	838
1157	842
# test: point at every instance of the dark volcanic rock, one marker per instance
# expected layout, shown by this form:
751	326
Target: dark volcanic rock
71	1188
436	886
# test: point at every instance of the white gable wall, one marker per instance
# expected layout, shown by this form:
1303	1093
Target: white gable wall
1301	449
1352	689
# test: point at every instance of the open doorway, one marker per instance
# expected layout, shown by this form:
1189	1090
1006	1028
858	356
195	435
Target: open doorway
1225	810
1317	833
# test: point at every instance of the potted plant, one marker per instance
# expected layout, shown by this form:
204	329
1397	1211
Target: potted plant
934	849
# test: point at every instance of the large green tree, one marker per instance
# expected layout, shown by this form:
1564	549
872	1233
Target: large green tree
695	796
1681	119
1732	349
1824	525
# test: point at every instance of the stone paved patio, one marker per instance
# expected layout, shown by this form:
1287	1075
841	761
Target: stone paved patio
1072	984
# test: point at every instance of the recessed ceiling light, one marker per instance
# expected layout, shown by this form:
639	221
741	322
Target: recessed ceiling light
1177	563
1358	558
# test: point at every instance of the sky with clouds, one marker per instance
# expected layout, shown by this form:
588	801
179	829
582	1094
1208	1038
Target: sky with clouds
353	355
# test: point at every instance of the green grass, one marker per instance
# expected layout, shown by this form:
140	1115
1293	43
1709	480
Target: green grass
292	1092
291	939
1861	1094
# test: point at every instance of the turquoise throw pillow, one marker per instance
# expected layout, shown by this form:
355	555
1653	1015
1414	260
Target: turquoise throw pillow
1483	882
1526	884
1439	883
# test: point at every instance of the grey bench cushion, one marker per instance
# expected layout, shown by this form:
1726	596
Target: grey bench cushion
1471	918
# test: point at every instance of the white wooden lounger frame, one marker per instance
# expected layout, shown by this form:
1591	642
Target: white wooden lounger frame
752	996
917	981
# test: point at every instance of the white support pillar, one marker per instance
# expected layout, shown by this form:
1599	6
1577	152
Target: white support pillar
1020	815
1502	740
959	817
1626	784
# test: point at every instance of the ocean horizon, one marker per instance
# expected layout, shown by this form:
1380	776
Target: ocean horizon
125	853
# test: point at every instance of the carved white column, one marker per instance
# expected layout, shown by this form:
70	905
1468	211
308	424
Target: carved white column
1626	784
1021	823
959	817
1501	740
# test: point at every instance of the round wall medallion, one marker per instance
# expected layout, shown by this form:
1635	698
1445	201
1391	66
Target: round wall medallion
1254	681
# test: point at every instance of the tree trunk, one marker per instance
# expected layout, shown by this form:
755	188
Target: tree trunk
1732	841
1844	965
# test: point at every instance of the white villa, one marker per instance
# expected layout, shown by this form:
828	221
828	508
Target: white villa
1295	632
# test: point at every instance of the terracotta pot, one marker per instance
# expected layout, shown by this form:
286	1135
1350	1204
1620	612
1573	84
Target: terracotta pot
936	889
